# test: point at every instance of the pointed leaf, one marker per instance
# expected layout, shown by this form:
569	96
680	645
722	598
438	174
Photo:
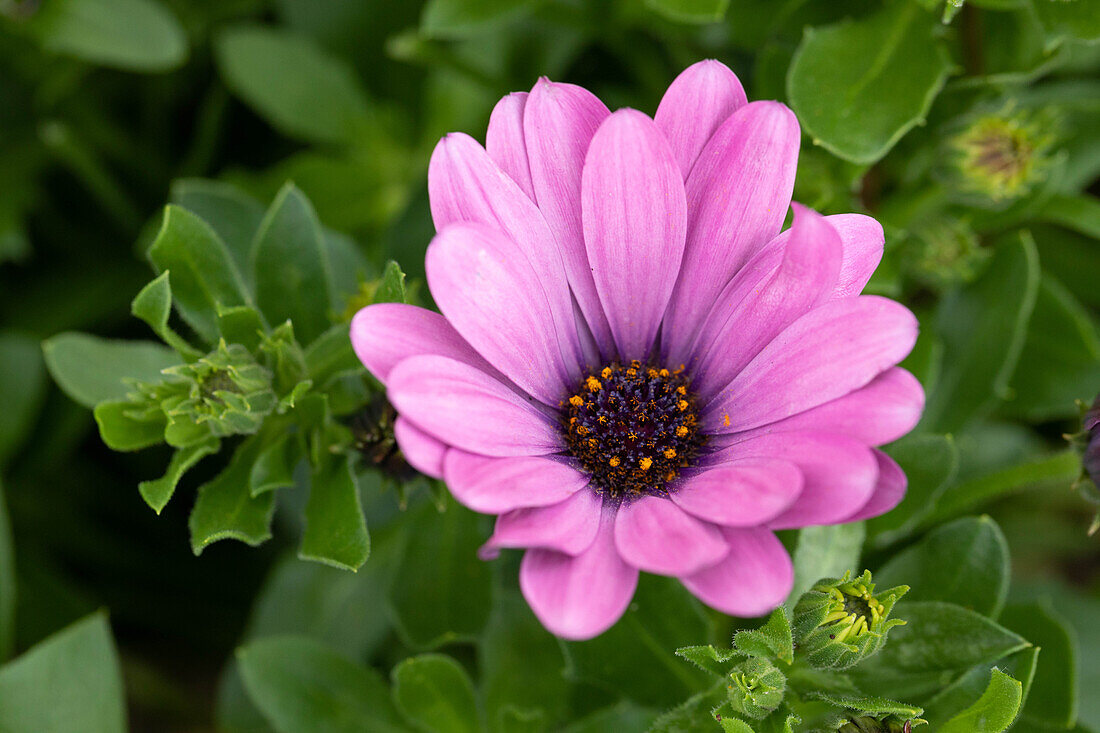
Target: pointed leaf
993	712
124	427
336	531
204	276
153	304
291	266
158	493
226	509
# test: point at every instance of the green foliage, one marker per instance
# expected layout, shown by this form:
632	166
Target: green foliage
70	681
290	141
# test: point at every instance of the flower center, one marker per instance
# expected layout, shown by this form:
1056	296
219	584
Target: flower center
633	427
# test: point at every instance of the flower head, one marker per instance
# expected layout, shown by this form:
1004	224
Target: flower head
634	367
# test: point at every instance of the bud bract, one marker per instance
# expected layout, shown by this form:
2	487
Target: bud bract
840	622
756	687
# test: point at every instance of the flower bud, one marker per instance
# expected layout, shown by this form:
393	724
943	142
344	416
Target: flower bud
226	391
998	158
1088	442
840	622
756	687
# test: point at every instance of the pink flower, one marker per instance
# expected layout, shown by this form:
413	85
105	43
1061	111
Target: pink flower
635	369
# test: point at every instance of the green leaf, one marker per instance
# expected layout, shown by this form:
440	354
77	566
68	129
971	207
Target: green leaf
242	325
226	509
291	266
7	582
514	657
69	682
867	704
859	86
303	686
204	277
22	388
690	11
331	356
825	552
153	304
125	427
772	639
623	716
662	617
158	493
993	712
150	39
1060	357
984	326
930	463
1076	19
966	689
298	87
709	659
694	715
1052	701
391	288
336	531
964	562
434	692
1058	469
442	592
942	636
91	369
229	211
464	18
274	468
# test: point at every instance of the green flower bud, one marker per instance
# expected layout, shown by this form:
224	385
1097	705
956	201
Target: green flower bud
756	687
944	252
226	391
840	622
998	158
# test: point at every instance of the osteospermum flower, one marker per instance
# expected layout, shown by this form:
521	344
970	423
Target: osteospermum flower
633	367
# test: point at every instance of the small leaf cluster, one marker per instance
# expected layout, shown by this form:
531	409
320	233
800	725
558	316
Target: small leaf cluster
266	371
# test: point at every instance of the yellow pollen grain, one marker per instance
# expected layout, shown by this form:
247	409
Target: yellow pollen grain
614	462
726	420
682	431
576	400
602	419
681	389
652	373
606	373
670	475
593	384
592	443
645	463
582	430
664	373
632	372
670	453
682	404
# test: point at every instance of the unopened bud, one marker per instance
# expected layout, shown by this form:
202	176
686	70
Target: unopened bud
756	687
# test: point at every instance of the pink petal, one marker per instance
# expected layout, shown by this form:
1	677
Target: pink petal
559	122
465	407
738	193
634	222
889	490
863	241
754	578
653	534
838	473
743	494
422	451
464	184
805	276
491	295
878	413
696	103
834	349
386	333
496	485
568	526
504	140
579	597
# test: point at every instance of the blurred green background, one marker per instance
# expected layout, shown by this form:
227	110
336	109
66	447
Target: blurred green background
972	131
